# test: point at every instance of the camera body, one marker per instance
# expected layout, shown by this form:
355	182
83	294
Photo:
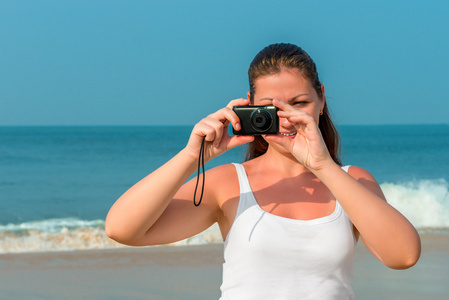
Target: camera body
257	120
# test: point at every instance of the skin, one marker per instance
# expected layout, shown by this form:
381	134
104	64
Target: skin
159	208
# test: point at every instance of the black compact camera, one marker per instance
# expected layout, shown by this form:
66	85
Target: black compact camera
257	120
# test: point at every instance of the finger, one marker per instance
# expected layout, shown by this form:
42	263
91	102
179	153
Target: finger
215	125
215	130
239	140
204	130
304	122
295	114
283	106
297	118
226	115
235	119
238	102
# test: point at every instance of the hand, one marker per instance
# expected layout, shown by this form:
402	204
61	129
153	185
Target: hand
307	146
215	128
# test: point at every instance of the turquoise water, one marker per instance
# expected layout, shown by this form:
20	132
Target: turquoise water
55	180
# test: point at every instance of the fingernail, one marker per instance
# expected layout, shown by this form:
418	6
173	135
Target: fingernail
237	126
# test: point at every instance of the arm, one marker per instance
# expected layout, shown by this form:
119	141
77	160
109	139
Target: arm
159	209
385	231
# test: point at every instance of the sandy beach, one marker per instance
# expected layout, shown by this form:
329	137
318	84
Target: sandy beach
194	272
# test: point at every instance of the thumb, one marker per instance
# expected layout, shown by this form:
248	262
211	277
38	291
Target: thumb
239	140
284	142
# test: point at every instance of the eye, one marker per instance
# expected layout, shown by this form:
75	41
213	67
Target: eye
299	103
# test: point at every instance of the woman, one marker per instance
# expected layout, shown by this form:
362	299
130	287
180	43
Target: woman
290	215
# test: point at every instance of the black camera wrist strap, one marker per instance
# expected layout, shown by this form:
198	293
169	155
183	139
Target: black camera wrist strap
200	165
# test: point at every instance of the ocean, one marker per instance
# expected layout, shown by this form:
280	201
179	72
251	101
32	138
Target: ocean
58	183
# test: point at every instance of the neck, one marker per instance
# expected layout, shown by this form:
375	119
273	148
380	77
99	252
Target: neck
282	162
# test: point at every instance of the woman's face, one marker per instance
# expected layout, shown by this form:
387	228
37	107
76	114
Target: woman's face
291	87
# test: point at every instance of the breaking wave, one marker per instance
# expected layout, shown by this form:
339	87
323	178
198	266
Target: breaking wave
74	234
425	203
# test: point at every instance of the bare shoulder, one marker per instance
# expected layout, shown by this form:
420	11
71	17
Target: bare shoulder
223	180
222	169
358	172
222	173
366	179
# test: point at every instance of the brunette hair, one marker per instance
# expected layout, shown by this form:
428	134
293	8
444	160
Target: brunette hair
270	61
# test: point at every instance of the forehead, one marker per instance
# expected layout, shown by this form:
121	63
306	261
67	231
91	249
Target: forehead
287	80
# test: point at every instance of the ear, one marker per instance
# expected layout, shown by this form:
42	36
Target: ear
248	95
323	98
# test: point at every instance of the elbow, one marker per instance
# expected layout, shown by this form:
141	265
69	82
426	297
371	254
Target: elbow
411	259
407	259
116	232
121	234
117	235
404	263
413	255
111	231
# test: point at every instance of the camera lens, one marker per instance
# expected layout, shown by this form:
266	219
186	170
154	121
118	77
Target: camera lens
261	120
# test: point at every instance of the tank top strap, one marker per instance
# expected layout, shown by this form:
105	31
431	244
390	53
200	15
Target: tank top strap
338	206
345	168
247	199
243	179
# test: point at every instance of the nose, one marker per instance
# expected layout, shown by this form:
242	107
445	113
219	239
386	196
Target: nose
284	122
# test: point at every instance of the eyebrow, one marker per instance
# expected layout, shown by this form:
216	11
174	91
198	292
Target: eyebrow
290	100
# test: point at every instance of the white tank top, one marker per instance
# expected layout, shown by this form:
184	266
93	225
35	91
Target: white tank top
271	257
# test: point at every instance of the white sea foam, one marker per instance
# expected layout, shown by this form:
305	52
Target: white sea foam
425	203
51	225
74	234
63	240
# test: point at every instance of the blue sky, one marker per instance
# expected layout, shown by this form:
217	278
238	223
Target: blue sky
174	62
